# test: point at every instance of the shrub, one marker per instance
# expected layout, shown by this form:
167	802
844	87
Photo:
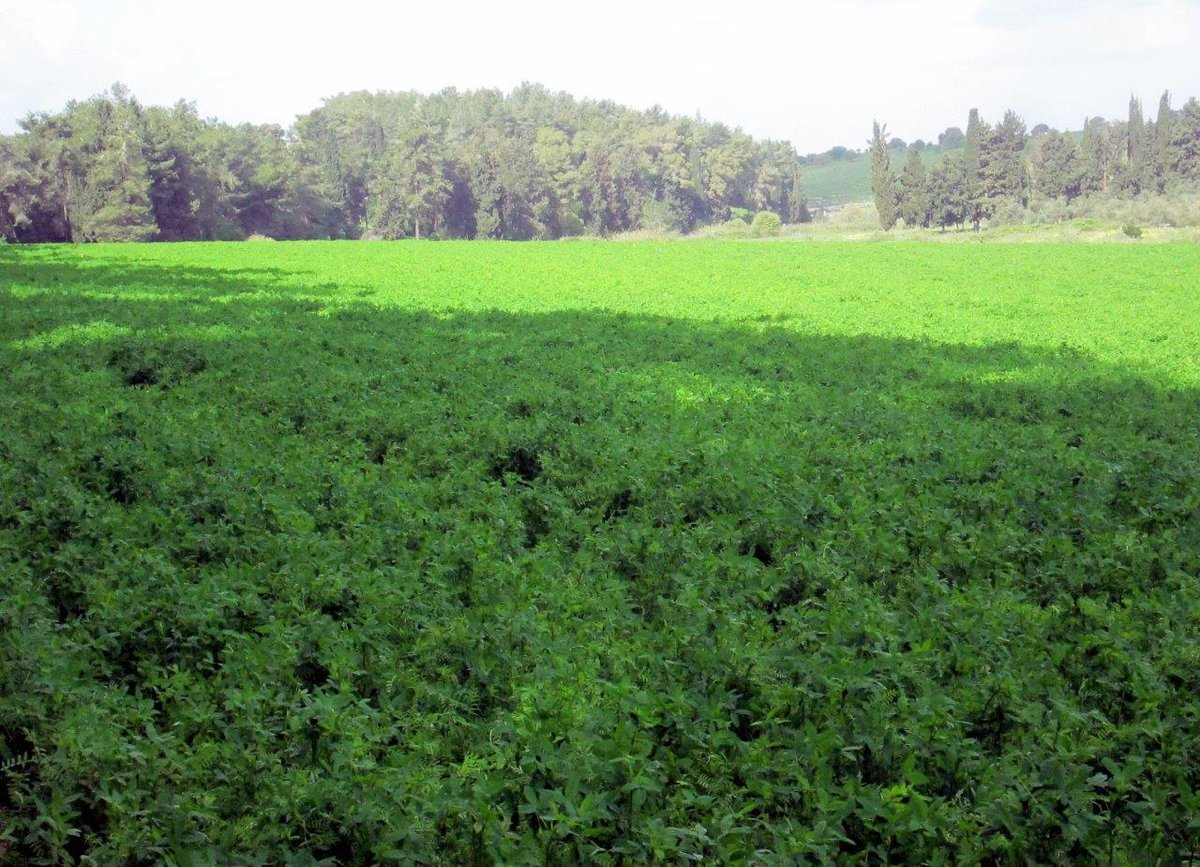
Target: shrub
570	226
1131	230
766	223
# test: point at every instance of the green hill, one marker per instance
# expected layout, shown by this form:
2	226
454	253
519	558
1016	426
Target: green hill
830	182
839	182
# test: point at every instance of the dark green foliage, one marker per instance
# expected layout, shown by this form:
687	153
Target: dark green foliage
948	193
883	182
972	153
1002	177
294	575
1185	142
411	186
1135	135
527	165
915	202
1162	142
1139	171
1055	168
1001	168
1096	156
109	174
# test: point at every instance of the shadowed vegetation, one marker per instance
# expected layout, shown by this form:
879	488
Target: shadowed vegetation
318	552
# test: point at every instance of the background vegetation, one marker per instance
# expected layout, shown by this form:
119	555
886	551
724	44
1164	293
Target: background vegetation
476	164
1005	174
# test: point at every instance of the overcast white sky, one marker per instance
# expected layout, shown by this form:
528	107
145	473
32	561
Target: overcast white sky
813	73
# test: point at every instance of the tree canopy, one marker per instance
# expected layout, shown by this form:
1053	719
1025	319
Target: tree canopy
1004	166
464	164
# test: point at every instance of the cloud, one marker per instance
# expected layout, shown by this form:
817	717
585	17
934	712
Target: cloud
1093	28
813	73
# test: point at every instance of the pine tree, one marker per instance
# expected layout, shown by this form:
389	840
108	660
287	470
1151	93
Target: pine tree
115	187
914	191
125	213
1001	177
1055	167
947	194
883	183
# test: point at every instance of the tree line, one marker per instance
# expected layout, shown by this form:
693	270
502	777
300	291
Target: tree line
1003	166
475	164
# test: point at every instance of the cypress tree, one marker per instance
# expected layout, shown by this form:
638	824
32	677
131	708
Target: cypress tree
883	183
797	201
1162	141
971	144
1139	173
971	155
914	191
1094	156
1134	146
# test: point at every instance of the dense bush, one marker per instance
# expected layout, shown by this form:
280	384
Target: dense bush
766	223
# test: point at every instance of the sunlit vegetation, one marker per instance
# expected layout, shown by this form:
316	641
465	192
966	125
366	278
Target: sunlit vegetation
606	553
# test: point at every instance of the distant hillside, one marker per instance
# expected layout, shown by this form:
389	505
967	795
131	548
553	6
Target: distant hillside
831	183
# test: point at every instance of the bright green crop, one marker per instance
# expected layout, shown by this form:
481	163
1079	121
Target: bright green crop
599	553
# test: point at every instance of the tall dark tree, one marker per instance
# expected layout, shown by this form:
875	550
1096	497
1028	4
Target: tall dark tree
915	204
112	175
1002	176
798	211
1055	167
947	192
1095	156
1185	142
410	188
883	182
1162	142
1137	172
972	151
41	195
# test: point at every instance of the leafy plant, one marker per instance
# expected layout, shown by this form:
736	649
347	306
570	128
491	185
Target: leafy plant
487	553
766	223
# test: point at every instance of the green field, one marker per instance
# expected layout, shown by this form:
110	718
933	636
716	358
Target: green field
610	553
